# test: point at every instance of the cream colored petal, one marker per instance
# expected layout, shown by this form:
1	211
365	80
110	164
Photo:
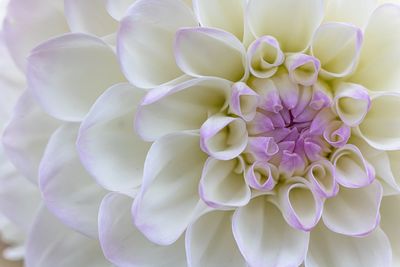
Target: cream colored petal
227	15
292	23
390	224
379	66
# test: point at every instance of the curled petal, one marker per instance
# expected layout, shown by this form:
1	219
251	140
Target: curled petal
69	192
352	170
213	232
303	69
354	211
378	68
337	133
145	41
89	17
118	238
291	23
185	106
331	249
262	176
300	205
218	53
82	68
222	137
222	186
270	243
321	175
264	56
117	167
288	90
337	46
261	148
244	101
381	126
155	214
352	102
221	14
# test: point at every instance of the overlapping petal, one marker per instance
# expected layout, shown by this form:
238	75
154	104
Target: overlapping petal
172	172
67	189
145	41
126	246
82	68
108	146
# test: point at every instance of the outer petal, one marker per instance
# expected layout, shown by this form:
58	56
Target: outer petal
145	41
356	12
81	67
330	249
170	188
52	244
89	17
26	136
210	242
291	22
337	46
118	8
218	53
221	14
381	126
354	212
68	191
390	224
185	106
108	147
222	185
379	68
265	239
43	18
125	246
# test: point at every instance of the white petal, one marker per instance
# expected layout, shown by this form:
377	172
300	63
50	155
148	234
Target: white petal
381	126
227	15
34	15
172	173
26	135
300	205
352	103
81	66
16	190
89	17
223	137
330	249
354	211
210	242
145	41
53	244
337	46
68	191
125	246
118	8
185	106
390	224
218	53
222	186
352	170
379	68
292	23
244	101
321	174
265	239
356	12
108	146
303	69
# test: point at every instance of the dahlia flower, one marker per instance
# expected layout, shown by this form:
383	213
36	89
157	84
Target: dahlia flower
209	132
